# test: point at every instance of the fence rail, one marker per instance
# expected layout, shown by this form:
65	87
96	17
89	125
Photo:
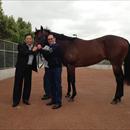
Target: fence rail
8	54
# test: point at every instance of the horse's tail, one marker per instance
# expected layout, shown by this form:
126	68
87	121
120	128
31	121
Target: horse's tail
127	67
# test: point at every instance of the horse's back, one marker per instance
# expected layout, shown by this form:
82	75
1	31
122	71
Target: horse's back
88	52
116	48
84	52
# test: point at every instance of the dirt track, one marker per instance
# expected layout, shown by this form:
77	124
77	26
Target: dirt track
90	111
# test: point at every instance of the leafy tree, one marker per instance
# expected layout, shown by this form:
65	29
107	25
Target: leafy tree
13	30
1	10
3	28
1	20
23	28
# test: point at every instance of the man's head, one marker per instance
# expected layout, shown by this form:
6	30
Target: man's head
28	39
51	39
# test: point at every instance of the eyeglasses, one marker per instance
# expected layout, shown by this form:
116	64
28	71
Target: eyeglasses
50	38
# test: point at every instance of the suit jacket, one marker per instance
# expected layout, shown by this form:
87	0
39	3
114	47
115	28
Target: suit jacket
53	58
23	56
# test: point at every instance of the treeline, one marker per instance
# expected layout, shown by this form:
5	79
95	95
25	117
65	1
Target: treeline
11	29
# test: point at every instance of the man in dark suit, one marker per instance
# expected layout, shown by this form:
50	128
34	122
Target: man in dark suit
26	62
51	52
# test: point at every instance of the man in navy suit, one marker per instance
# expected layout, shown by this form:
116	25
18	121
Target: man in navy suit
26	62
51	52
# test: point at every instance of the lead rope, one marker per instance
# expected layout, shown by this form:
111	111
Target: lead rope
39	57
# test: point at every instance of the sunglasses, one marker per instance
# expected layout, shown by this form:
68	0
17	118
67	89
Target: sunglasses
50	38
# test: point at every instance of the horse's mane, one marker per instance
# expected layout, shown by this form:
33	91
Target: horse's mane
60	36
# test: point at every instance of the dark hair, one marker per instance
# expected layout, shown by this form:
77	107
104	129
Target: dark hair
52	35
28	34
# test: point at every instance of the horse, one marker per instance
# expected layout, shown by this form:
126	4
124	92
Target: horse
76	52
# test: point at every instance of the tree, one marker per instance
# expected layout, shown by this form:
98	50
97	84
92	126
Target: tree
13	30
23	28
1	10
3	27
1	20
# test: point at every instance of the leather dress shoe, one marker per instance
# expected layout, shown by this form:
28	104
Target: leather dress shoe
56	106
50	103
15	105
26	102
45	97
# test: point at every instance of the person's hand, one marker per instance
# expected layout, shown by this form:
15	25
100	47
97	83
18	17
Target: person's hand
39	46
46	48
34	48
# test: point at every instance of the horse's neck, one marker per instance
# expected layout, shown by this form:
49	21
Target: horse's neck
63	42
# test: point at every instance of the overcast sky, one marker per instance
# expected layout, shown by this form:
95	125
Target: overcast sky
88	19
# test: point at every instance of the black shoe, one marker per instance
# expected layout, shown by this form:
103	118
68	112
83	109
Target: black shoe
26	102
45	97
50	103
15	105
56	106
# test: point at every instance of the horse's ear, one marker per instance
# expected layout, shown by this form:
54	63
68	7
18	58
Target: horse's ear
41	28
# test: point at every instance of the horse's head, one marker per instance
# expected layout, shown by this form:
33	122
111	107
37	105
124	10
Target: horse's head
41	36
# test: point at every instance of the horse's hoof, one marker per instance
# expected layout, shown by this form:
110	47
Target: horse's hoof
71	99
67	96
74	94
113	102
116	101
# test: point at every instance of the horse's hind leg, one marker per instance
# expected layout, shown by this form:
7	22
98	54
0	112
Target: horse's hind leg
120	83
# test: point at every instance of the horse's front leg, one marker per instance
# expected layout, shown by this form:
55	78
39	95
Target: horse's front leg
69	84
72	80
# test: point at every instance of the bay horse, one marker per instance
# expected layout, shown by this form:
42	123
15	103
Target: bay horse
76	52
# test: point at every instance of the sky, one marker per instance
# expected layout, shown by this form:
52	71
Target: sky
87	19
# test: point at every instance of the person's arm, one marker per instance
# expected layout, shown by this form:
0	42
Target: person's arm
55	50
24	51
46	50
45	53
49	51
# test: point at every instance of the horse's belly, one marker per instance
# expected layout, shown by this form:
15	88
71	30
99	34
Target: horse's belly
89	60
